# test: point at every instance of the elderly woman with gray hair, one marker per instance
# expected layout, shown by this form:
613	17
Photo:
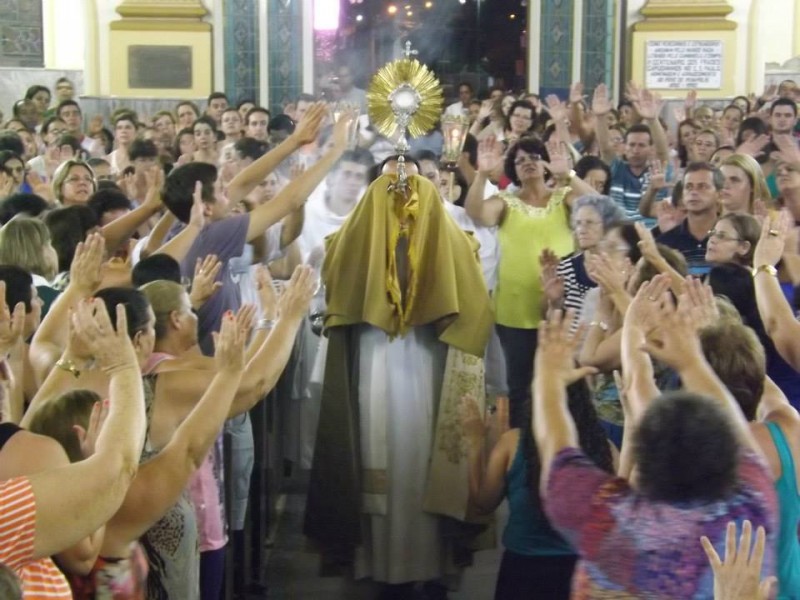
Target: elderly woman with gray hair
566	281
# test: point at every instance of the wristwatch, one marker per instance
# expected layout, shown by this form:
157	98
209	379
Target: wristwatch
765	269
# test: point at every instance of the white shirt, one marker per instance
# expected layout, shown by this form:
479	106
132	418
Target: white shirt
457	110
489	252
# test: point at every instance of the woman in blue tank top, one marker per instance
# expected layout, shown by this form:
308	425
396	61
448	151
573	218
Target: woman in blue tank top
537	562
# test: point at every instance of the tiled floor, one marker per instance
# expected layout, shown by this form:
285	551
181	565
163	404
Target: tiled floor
292	570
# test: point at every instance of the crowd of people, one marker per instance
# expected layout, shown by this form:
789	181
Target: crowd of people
622	274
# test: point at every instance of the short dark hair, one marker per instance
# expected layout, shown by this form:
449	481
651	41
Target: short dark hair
241	103
217	96
206	120
107	200
784	102
529	145
639	128
137	307
308	97
686	450
251	148
65	103
281	123
142	149
10	140
426	155
593	163
521	104
18	286
22	203
254	110
35	89
48	122
68	227
359	156
466	84
178	191
694	167
156	267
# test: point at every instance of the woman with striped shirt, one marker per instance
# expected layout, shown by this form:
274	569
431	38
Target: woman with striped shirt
566	281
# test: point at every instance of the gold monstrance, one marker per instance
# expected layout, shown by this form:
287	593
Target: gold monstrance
404	96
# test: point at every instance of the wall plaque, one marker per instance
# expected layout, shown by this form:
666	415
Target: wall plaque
683	64
160	67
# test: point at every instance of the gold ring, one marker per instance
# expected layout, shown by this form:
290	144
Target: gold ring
773	232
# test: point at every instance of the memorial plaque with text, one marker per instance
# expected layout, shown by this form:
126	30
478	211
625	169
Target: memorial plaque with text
684	64
160	67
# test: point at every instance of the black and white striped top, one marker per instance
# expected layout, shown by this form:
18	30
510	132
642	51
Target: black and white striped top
572	271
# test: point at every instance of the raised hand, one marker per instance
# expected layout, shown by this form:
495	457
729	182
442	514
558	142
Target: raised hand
556	108
558	344
560	161
7	185
490	155
697	300
245	318
487	106
229	355
604	273
738	577
86	271
576	92
690	103
296	298
197	216
601	105
788	150
772	242
642	311
647	104
307	130
87	438
204	283
667	216
754	146
154	180
674	339
110	349
267	293
658	174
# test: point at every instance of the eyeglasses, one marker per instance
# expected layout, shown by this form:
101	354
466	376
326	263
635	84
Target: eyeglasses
79	179
587	224
522	159
523	117
57	131
723	236
19	170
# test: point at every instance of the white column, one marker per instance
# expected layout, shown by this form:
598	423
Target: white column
577	40
534	40
218	48
263	54
308	46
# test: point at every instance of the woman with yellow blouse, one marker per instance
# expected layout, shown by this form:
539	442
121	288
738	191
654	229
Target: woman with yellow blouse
532	218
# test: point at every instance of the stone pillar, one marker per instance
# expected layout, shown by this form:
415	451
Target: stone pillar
285	51
686	44
242	34
161	48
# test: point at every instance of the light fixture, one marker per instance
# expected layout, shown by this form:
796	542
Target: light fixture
429	4
326	15
462	1
512	16
391	9
409	13
359	18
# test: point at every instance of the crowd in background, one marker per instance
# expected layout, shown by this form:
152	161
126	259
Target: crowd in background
159	272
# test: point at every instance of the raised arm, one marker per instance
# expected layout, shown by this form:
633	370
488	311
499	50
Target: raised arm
775	312
120	230
51	337
648	105
160	481
674	341
491	211
305	132
105	476
601	106
554	370
294	195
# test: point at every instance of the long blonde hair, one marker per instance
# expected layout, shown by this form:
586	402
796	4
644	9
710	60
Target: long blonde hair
758	184
24	243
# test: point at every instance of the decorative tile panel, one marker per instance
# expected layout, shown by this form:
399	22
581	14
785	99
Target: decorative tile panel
555	47
598	44
21	41
285	53
241	50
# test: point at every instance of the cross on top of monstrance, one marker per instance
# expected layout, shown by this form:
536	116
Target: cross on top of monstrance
408	52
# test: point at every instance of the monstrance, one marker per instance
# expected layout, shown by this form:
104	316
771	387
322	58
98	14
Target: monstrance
404	96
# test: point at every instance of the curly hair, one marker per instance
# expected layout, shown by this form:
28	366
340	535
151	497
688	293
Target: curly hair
686	450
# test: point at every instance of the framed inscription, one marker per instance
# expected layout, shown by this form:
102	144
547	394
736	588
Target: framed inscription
160	67
683	64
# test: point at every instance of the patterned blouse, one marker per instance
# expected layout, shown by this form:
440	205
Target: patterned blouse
632	548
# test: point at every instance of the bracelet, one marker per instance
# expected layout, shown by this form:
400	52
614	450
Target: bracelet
66	364
601	324
765	269
264	323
